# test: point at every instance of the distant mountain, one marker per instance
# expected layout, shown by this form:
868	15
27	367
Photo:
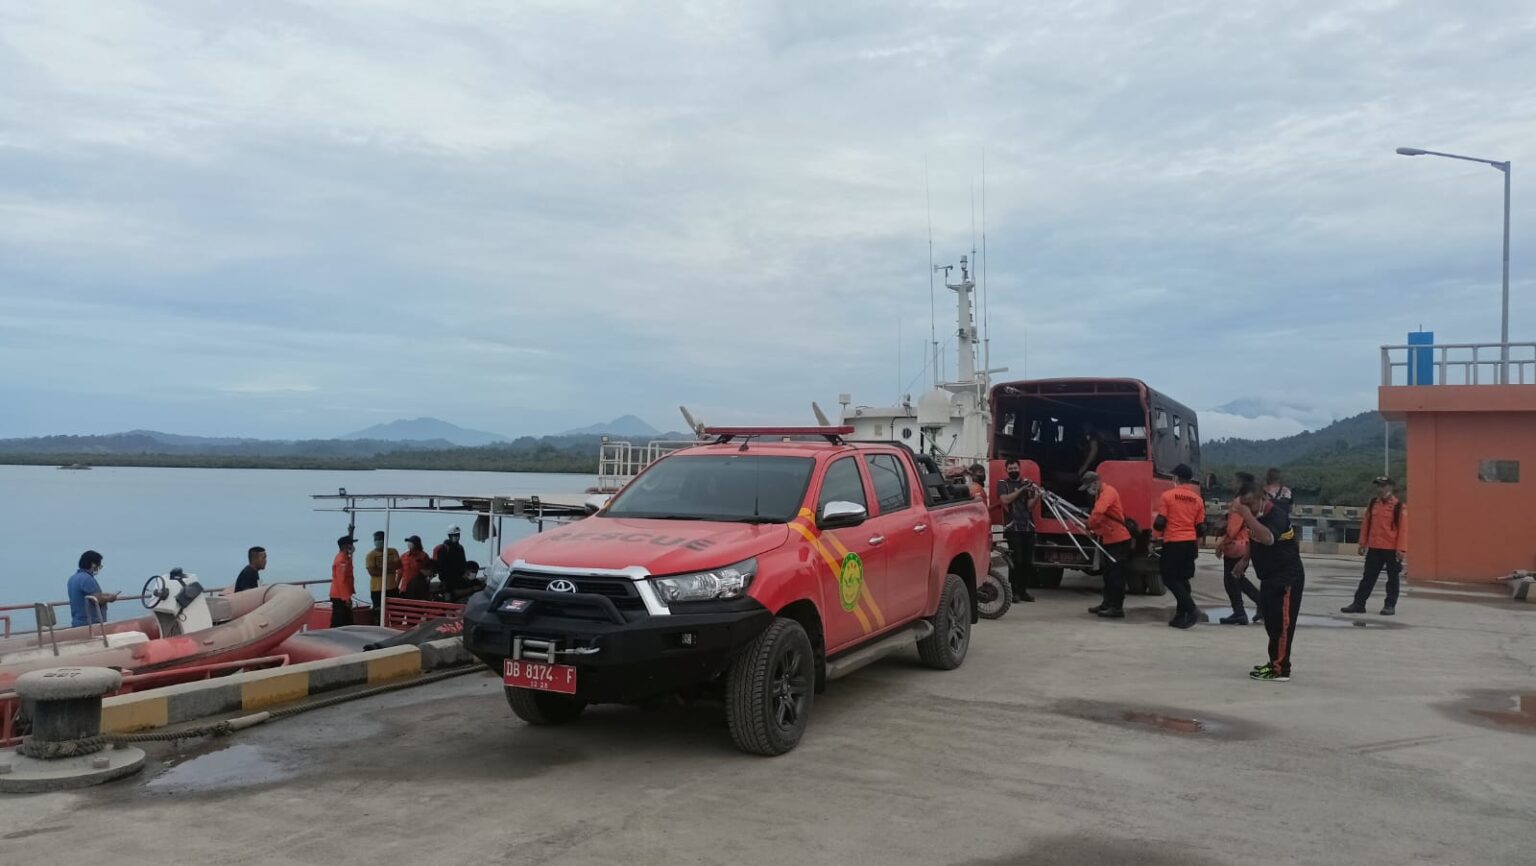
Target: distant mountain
427	430
188	441
148	442
1348	434
1332	465
626	425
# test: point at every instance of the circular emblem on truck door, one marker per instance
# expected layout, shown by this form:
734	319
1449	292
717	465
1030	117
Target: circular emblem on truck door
850	581
561	585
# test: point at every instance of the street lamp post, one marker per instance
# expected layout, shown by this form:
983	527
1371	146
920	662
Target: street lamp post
1504	320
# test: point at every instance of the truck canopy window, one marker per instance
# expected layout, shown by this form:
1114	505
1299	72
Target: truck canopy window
892	491
842	484
736	487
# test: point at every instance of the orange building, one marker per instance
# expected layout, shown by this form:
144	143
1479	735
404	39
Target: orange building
1471	456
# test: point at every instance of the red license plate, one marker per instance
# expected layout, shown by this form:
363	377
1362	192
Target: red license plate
540	676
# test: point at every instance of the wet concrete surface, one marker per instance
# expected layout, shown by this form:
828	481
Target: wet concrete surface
219	764
1513	712
1064	740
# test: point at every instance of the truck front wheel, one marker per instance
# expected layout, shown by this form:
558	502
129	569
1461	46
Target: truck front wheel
945	649
770	689
544	708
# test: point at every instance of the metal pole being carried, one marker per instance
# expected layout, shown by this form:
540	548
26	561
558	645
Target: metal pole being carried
384	581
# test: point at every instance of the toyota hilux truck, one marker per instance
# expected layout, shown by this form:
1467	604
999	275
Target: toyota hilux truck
754	568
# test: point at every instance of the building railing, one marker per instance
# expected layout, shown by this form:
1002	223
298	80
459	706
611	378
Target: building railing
618	462
1459	364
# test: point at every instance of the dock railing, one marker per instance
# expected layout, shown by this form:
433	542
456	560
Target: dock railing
1437	364
619	462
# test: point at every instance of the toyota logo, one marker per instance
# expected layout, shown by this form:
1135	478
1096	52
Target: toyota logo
561	585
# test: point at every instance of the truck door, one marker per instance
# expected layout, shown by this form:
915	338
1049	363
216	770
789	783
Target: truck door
903	533
851	606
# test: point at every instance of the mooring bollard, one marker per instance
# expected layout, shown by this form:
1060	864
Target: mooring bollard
66	749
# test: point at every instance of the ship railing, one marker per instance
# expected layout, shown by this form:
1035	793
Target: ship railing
405	614
1458	364
619	462
10	702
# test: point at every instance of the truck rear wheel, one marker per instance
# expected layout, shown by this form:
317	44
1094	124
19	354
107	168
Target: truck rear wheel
945	649
544	708
770	688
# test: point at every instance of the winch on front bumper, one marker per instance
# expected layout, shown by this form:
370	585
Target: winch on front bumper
622	651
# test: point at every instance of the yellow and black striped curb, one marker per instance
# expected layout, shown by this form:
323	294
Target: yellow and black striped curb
259	690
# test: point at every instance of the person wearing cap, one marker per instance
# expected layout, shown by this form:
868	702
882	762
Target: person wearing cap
1017	496
1180	519
1383	542
1107	523
380	564
343	582
415	571
449	559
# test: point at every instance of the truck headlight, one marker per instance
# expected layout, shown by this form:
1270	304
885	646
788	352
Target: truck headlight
728	582
496	576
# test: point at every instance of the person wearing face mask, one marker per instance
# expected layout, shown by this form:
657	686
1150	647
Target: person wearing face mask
83	590
1017	496
376	562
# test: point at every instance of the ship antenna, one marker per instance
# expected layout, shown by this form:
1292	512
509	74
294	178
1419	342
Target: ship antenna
986	318
933	333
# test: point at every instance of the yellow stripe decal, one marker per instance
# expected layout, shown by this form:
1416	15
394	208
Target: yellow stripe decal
832	561
863	620
869	598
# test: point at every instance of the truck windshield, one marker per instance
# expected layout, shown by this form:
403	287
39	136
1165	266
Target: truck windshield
746	487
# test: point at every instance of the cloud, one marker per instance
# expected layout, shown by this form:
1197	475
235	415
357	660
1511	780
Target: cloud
529	217
1221	425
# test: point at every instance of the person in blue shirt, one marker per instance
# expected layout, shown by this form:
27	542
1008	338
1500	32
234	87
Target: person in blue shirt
83	586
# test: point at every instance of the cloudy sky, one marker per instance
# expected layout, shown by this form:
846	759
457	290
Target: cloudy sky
301	218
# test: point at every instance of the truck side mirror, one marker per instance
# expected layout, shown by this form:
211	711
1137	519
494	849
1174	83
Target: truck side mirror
840	514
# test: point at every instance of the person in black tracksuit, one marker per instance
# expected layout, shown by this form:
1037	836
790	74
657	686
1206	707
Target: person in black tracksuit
1282	577
1017	496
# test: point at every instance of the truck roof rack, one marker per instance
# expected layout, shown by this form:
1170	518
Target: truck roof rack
722	435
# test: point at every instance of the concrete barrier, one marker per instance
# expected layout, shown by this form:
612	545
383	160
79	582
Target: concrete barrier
1523	589
258	690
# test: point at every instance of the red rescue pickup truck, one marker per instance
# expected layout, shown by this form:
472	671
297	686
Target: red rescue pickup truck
756	567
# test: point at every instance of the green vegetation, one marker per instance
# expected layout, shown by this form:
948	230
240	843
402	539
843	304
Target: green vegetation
1333	465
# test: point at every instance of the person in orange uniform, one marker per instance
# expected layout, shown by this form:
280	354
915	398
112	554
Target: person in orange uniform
1181	518
1384	543
1107	523
1232	550
415	570
343	582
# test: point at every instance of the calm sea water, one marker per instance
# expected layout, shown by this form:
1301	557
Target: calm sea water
146	521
